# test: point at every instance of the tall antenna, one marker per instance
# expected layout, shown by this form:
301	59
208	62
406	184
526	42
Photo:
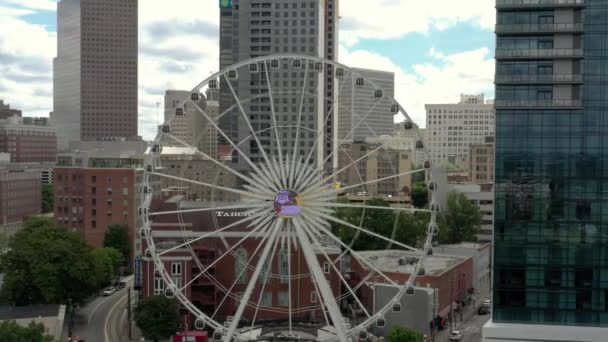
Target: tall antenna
157	113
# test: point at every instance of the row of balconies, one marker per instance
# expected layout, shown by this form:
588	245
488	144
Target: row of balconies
539	28
506	4
539	53
538	104
539	79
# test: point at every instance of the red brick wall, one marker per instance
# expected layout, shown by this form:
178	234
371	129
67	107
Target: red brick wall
84	203
20	194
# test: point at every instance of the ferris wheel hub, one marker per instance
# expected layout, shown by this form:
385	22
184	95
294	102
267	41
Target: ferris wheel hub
287	203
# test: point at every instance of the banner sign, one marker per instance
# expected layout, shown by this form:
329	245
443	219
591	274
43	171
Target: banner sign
138	275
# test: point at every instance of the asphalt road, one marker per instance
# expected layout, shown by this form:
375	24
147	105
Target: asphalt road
104	319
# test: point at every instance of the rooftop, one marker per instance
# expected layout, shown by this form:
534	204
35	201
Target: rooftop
467	245
388	261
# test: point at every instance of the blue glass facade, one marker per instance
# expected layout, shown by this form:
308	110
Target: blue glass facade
551	224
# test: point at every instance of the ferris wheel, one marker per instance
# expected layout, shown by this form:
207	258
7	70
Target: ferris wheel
270	226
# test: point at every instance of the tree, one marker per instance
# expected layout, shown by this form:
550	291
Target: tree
461	221
34	332
409	228
47	198
108	262
402	334
157	317
46	264
420	195
117	237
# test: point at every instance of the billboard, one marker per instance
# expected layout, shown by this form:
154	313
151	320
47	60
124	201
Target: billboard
138	276
225	3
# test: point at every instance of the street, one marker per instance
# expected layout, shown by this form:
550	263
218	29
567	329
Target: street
104	318
471	326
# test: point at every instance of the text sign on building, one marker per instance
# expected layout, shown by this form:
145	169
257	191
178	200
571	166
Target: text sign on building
225	3
138	276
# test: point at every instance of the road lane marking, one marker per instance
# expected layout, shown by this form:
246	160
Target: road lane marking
105	329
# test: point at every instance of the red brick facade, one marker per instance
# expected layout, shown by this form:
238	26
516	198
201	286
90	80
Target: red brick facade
28	143
89	200
20	194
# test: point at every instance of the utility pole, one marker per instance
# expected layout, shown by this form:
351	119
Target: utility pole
129	310
451	304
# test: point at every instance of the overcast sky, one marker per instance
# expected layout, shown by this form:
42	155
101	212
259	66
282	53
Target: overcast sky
437	49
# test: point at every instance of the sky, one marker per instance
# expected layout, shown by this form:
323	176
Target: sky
438	49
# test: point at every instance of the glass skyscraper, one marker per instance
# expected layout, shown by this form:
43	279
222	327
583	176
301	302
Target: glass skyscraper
550	275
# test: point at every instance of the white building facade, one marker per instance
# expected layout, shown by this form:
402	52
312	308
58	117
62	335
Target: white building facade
452	128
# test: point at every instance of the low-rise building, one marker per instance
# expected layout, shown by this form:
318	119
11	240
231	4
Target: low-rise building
380	164
51	316
20	193
449	276
481	254
28	143
6	111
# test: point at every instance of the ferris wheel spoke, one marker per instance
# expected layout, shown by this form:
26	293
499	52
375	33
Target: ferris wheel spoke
229	290
266	276
246	194
296	148
289	303
218	163
274	123
333	266
319	278
234	146
247	294
197	210
362	206
366	231
253	218
352	252
357	125
259	228
329	114
246	117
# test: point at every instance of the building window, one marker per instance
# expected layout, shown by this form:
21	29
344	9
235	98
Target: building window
176	268
240	266
283	266
266	299
283	298
313	297
159	286
326	267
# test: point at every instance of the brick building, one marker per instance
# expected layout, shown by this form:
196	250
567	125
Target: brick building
20	193
87	200
28	143
481	162
208	291
451	276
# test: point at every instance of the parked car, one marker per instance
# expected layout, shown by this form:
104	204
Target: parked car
484	308
456	335
108	291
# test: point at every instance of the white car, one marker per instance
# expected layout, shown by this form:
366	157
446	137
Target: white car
108	291
456	335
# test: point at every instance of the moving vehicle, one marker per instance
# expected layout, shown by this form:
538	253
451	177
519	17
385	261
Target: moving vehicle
456	335
108	291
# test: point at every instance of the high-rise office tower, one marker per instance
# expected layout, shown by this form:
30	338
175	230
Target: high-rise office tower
253	28
361	115
550	255
95	71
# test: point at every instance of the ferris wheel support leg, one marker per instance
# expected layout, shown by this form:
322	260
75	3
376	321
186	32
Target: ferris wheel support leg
324	288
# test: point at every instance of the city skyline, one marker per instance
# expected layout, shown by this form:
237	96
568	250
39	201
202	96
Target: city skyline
430	63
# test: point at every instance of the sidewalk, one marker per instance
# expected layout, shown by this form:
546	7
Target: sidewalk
466	313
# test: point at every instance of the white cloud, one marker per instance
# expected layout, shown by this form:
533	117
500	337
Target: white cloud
46	5
442	81
179	48
383	19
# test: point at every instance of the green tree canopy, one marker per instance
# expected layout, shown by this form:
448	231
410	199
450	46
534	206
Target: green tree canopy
402	334
46	264
461	220
47	198
34	332
117	237
157	317
409	228
107	263
420	194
